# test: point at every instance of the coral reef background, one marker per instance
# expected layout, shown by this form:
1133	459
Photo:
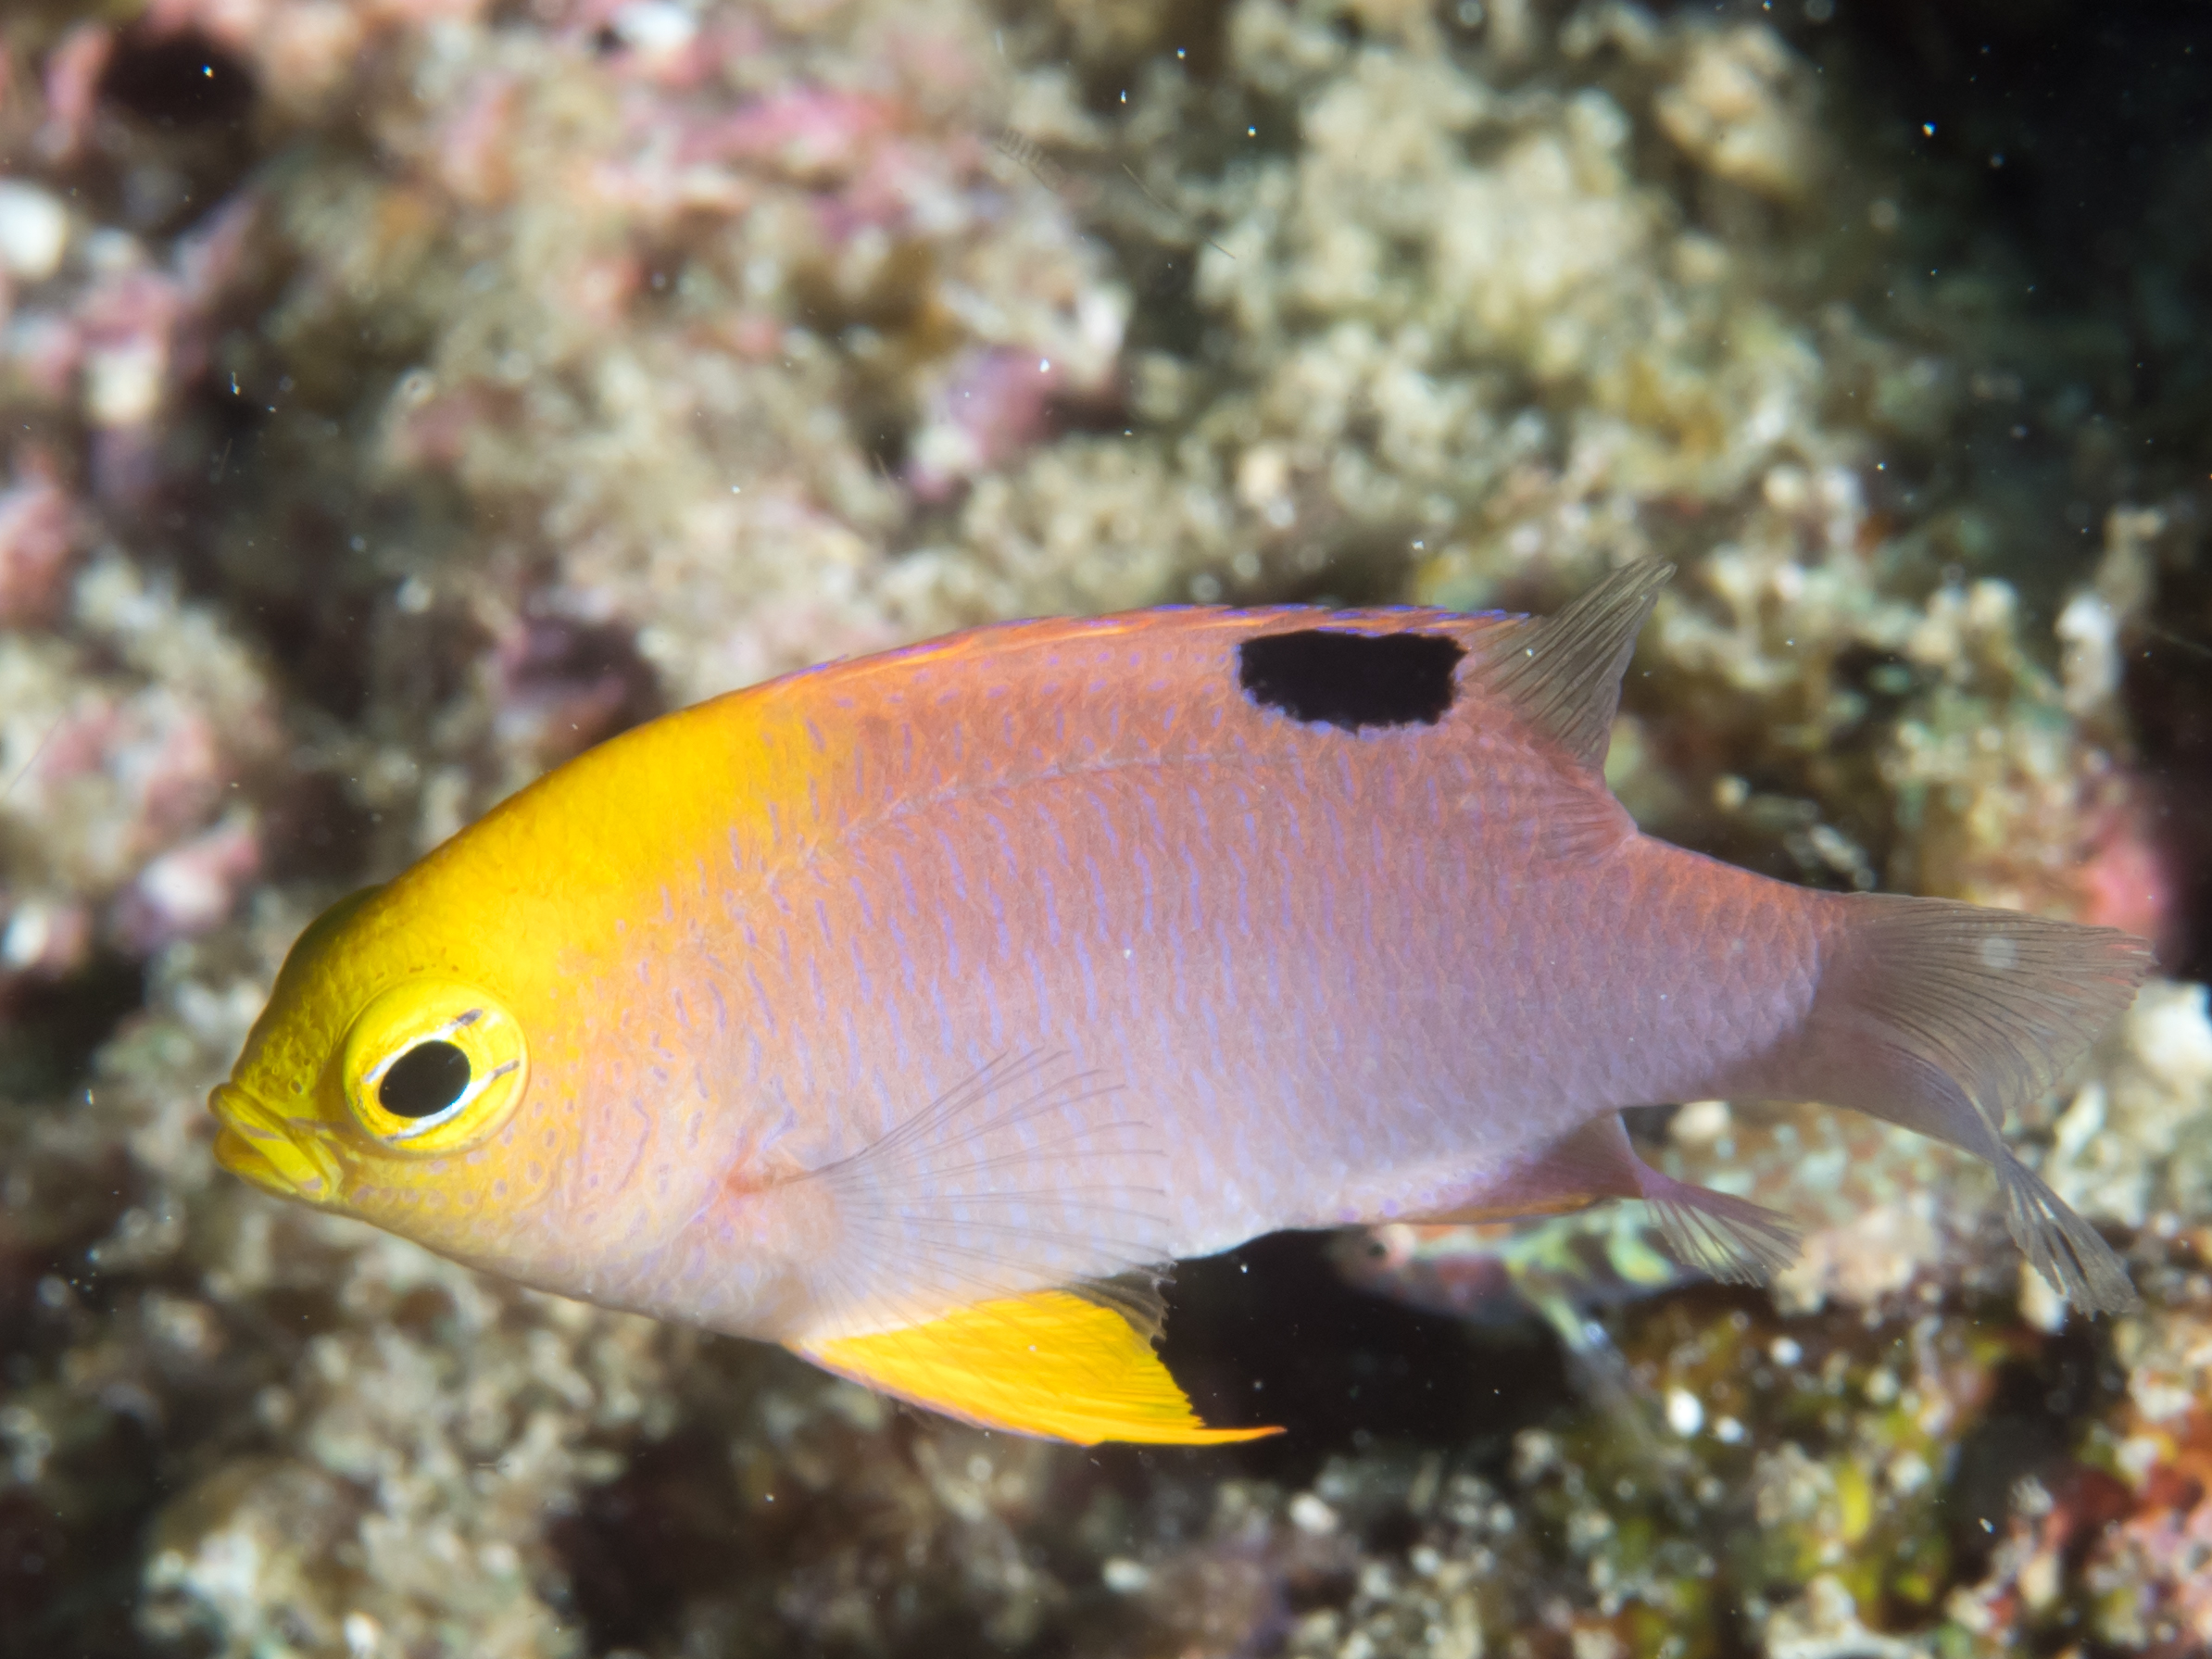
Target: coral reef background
398	396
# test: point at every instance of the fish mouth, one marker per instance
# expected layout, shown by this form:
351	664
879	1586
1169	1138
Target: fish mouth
261	1147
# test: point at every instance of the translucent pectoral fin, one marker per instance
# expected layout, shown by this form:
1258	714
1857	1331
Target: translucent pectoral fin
1034	1174
1052	1364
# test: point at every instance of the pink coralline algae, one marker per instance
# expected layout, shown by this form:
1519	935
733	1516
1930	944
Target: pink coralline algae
2151	1575
191	887
137	774
123	344
72	78
818	136
2127	879
2159	1560
990	405
38	537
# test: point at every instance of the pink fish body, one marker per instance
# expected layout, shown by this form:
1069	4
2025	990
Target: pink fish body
1040	956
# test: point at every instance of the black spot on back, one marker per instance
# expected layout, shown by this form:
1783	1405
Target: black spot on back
1351	680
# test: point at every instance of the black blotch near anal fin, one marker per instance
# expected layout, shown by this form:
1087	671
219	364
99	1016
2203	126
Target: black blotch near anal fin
1563	673
1337	677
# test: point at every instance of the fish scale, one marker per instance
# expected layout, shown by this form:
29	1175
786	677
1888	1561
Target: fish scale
1048	953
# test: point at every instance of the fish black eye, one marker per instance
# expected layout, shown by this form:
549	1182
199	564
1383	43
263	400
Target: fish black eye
424	1081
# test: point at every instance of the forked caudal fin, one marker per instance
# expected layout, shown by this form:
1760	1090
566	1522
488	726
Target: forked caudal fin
1055	1363
1943	1017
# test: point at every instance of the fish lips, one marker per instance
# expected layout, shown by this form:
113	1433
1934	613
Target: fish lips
276	1154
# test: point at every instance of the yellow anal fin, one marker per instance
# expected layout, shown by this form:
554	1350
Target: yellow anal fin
1049	1364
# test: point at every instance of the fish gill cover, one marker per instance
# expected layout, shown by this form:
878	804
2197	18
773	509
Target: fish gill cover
436	389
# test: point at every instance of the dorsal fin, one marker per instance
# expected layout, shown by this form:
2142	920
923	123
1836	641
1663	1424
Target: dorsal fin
1563	673
1054	1363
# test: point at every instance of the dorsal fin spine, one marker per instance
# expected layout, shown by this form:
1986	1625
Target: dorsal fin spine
1563	673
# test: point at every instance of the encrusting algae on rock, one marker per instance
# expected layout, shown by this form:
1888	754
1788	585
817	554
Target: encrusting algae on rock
1286	918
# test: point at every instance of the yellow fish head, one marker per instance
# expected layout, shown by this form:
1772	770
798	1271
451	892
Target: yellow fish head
387	1079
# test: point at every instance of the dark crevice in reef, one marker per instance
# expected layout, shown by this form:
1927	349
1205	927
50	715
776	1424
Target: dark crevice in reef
2067	120
1271	1333
2027	1432
638	1548
178	81
176	134
2066	154
2167	692
51	1028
